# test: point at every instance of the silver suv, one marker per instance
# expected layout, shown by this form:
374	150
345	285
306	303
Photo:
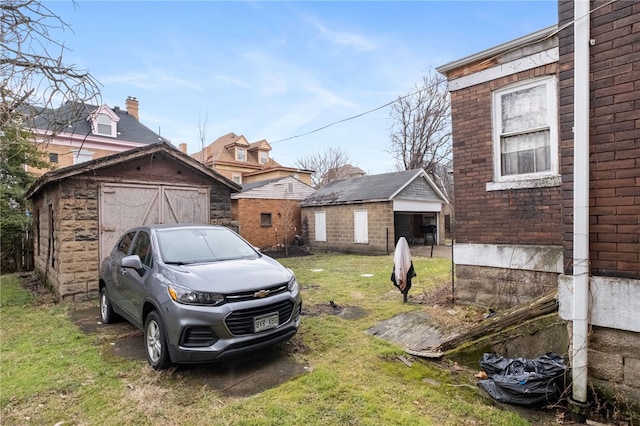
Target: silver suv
199	292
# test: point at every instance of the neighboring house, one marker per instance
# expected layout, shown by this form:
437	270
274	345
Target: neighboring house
80	211
268	212
342	172
547	182
235	158
88	132
368	214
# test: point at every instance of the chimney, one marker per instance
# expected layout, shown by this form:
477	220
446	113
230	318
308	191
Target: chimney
132	106
183	148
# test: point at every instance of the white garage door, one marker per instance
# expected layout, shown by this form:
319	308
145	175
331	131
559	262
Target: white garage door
123	206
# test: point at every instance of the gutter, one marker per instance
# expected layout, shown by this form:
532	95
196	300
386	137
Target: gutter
580	201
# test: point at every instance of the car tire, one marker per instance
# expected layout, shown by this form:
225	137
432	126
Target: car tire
107	314
155	342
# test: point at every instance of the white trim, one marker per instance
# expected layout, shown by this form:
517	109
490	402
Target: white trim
549	83
536	60
528	258
360	227
614	302
543	182
416	206
320	219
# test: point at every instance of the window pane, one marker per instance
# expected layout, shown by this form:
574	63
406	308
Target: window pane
524	109
265	219
528	153
103	129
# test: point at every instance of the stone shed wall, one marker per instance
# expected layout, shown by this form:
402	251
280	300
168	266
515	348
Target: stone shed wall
66	253
340	228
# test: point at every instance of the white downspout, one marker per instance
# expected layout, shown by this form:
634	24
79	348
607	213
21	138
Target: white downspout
580	200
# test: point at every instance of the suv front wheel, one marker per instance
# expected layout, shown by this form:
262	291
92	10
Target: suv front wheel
156	342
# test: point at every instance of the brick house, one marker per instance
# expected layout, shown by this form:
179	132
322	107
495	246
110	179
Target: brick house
268	212
368	214
80	211
547	159
89	132
235	158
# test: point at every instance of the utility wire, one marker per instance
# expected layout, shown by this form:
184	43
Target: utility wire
568	24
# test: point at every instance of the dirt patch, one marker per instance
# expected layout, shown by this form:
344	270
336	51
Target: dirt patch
331	308
291	251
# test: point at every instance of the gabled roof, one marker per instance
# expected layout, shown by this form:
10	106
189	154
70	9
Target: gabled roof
371	188
275	189
71	118
132	154
220	152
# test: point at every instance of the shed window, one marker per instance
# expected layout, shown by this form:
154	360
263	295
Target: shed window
525	135
360	227
265	219
321	226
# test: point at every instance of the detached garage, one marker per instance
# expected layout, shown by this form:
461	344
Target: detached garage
368	214
80	211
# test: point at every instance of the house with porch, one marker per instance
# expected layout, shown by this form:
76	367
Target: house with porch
546	162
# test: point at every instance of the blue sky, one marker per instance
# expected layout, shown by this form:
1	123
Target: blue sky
274	70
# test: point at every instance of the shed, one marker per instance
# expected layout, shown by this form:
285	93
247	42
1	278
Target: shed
368	214
268	212
80	211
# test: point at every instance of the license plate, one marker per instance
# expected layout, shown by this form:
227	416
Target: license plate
265	322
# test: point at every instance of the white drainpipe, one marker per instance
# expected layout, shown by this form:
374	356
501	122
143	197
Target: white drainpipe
581	200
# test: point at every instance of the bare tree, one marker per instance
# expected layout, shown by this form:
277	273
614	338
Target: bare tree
331	164
33	76
420	134
34	81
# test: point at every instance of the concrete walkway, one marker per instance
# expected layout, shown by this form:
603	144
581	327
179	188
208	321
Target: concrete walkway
440	251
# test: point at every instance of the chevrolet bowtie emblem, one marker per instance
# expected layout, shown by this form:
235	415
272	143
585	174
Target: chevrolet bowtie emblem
261	294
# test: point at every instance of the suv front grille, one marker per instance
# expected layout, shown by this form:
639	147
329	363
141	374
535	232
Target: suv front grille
241	322
251	295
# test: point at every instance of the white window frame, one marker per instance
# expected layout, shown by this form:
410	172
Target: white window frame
321	226
526	180
81	156
264	157
360	227
241	154
237	178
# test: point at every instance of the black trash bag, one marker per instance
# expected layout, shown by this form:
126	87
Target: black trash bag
521	381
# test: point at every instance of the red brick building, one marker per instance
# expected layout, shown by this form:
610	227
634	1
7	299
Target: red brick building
546	147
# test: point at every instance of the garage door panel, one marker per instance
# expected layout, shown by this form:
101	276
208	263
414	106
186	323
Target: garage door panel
124	206
185	205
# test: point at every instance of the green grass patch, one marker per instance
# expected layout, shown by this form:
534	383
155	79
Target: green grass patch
53	372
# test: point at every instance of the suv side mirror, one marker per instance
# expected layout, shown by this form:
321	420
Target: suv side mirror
133	262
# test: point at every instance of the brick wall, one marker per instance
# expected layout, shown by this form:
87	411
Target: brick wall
340	228
248	212
517	216
614	137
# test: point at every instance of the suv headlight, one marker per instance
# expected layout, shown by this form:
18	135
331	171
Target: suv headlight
190	297
292	285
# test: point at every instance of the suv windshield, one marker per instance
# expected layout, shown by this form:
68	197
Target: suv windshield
201	245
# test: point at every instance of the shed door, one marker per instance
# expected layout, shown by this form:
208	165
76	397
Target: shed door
123	206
